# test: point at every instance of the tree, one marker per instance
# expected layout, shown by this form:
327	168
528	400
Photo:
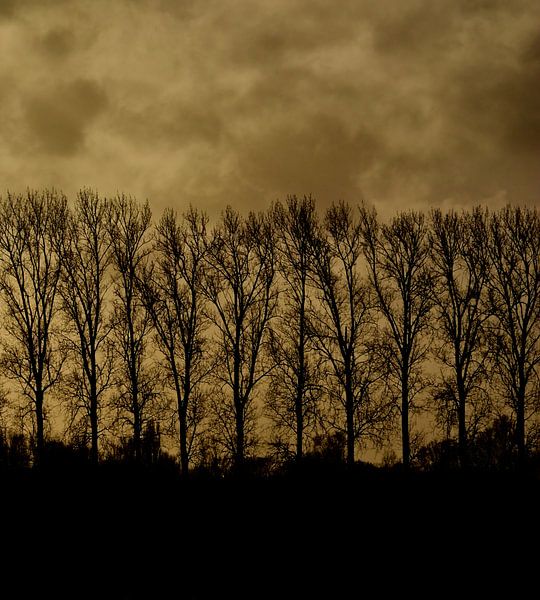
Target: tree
239	284
294	383
460	262
171	291
397	255
86	249
136	382
343	326
30	227
514	302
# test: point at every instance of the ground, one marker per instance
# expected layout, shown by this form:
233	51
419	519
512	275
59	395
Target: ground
149	535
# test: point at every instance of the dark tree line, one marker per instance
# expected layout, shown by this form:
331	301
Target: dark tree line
274	332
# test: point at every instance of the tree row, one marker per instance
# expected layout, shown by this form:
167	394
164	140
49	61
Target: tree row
268	332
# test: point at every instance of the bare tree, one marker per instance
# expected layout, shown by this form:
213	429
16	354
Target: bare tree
514	298
136	382
239	283
397	256
343	327
294	386
460	263
30	226
86	249
171	291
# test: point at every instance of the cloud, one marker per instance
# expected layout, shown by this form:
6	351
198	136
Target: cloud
405	103
7	9
317	155
57	43
57	120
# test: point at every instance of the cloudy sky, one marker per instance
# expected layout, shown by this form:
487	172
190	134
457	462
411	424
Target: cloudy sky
406	103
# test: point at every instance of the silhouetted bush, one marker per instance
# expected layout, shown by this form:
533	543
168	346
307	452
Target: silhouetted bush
495	448
329	448
438	456
63	456
14	451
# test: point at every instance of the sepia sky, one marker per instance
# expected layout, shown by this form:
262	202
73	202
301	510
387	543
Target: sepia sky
406	103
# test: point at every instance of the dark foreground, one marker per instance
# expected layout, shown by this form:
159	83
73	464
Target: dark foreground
114	533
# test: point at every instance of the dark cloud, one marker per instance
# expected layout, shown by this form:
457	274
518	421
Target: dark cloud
18	8
531	52
520	102
418	28
181	9
58	119
57	43
7	8
318	155
170	124
499	104
285	35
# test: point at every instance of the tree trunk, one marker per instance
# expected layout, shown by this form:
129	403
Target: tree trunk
181	404
184	457
238	407
40	429
94	450
520	428
240	441
405	440
137	435
349	409
299	429
299	405
462	430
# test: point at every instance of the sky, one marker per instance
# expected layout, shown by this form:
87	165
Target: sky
402	103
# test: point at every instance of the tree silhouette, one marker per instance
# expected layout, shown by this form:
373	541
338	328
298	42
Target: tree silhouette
461	268
136	381
514	300
171	290
86	252
343	325
30	227
239	284
294	386
397	254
